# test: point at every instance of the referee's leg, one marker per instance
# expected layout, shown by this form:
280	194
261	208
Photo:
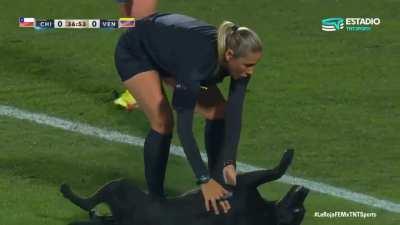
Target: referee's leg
148	91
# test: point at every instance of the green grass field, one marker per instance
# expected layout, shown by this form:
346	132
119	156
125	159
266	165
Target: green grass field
334	97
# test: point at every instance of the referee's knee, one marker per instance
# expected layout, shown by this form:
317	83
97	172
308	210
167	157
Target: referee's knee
216	112
162	126
163	123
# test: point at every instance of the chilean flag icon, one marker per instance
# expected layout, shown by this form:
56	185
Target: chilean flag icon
26	22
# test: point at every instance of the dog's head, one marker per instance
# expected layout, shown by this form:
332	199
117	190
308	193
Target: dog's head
290	209
251	208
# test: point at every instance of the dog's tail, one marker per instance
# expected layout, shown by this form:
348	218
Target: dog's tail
84	203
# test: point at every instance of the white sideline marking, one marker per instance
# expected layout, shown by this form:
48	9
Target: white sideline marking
177	150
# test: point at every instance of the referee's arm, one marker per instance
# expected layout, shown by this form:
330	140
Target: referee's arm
233	118
184	101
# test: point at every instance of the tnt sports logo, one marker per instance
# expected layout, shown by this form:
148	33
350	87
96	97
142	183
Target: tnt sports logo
332	24
349	24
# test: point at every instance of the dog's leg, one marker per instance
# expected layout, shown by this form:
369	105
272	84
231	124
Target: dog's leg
284	163
259	177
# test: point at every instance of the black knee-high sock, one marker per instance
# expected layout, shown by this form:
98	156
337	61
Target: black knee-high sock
156	152
214	137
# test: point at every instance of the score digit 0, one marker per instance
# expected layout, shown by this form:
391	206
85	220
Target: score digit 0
59	23
94	23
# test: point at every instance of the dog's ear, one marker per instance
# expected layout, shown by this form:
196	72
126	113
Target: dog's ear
257	178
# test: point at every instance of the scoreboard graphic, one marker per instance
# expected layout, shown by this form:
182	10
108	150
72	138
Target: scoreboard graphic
25	22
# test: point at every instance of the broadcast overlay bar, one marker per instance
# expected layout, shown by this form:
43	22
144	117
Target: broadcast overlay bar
25	22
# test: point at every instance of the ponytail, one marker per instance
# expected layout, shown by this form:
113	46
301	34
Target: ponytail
241	40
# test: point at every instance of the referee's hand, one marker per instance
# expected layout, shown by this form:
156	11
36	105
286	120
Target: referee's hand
213	194
229	172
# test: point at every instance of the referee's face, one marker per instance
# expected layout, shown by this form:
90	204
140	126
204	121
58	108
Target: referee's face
240	67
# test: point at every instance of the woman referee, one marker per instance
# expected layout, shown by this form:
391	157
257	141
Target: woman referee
192	56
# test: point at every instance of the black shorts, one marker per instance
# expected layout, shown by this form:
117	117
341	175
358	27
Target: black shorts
131	59
163	42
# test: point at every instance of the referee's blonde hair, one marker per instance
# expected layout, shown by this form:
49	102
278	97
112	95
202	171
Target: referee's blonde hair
241	40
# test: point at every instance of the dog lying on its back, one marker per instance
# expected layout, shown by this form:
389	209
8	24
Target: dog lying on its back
131	206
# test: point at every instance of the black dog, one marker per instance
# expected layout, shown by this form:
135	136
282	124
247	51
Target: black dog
131	206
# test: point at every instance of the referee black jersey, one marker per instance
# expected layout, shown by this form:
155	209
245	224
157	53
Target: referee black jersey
184	48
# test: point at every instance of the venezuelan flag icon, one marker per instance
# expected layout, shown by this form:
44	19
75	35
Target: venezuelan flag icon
26	22
126	22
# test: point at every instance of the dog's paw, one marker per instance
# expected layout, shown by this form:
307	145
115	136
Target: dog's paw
286	160
65	190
